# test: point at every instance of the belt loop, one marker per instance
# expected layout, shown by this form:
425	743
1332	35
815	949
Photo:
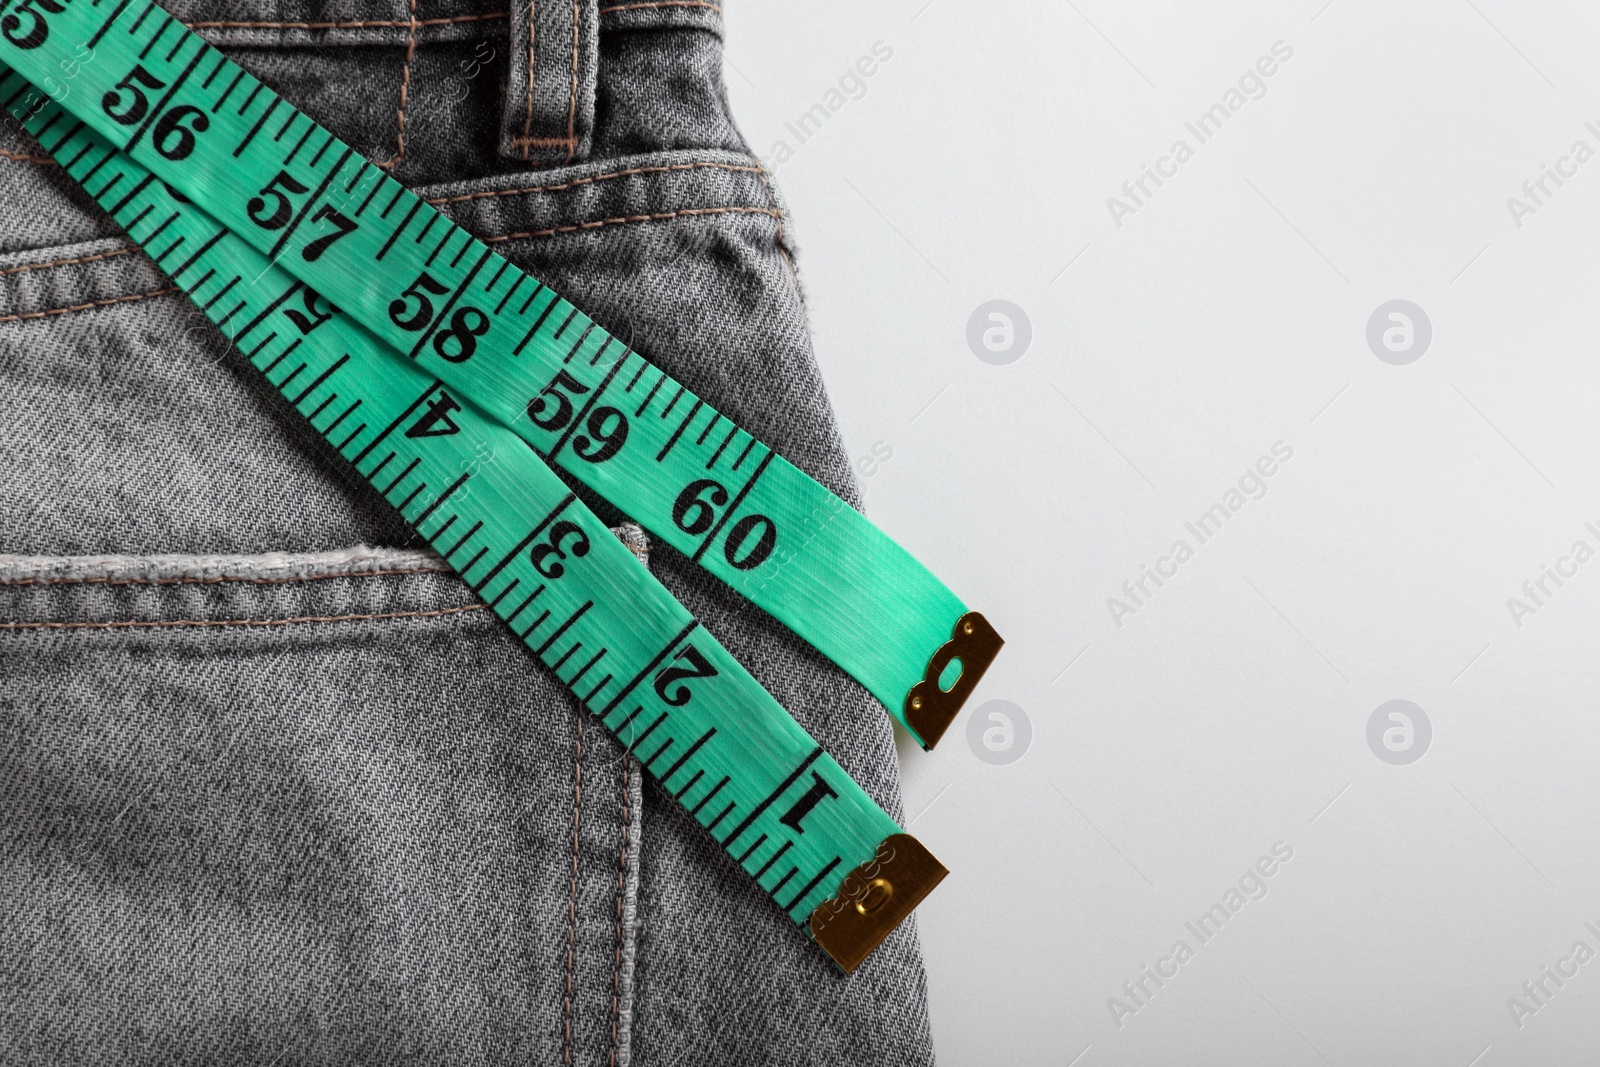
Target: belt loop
554	59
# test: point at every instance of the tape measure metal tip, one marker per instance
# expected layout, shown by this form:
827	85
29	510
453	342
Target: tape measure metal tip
930	708
875	898
465	447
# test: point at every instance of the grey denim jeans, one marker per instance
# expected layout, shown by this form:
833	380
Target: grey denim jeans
274	788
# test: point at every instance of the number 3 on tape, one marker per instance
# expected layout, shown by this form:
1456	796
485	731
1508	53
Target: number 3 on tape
285	222
508	344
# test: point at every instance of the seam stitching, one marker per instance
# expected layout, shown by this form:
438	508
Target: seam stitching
562	186
540	142
662	3
359	24
527	108
23	157
572	898
572	93
69	262
89	306
622	877
660	217
218	579
169	623
405	91
573	228
772	200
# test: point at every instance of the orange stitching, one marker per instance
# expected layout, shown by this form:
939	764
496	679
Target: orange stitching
221	578
357	25
527	142
149	624
20	157
405	88
588	181
541	142
572	899
782	251
68	262
622	877
527	109
572	94
662	3
89	306
635	218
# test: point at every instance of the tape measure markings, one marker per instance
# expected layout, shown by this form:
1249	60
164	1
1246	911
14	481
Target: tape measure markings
839	583
707	500
610	617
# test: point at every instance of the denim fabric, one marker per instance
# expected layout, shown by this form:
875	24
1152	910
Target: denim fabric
275	789
292	809
550	81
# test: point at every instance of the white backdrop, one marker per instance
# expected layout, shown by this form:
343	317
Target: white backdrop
1156	741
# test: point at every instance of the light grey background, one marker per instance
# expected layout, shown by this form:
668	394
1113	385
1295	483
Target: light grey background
1228	313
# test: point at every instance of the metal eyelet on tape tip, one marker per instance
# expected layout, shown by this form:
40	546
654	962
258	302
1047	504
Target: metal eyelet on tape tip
930	709
731	523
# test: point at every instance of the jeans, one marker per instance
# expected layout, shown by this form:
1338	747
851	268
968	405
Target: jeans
275	787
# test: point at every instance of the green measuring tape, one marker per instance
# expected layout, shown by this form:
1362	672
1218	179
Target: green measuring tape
263	218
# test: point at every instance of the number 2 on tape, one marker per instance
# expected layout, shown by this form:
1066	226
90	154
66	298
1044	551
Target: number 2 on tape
880	606
512	347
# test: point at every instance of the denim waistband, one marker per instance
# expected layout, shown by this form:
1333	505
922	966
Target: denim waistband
333	23
441	92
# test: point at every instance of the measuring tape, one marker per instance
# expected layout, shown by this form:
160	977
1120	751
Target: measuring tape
508	344
284	219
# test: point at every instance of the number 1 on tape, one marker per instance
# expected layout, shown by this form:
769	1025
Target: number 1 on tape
265	233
